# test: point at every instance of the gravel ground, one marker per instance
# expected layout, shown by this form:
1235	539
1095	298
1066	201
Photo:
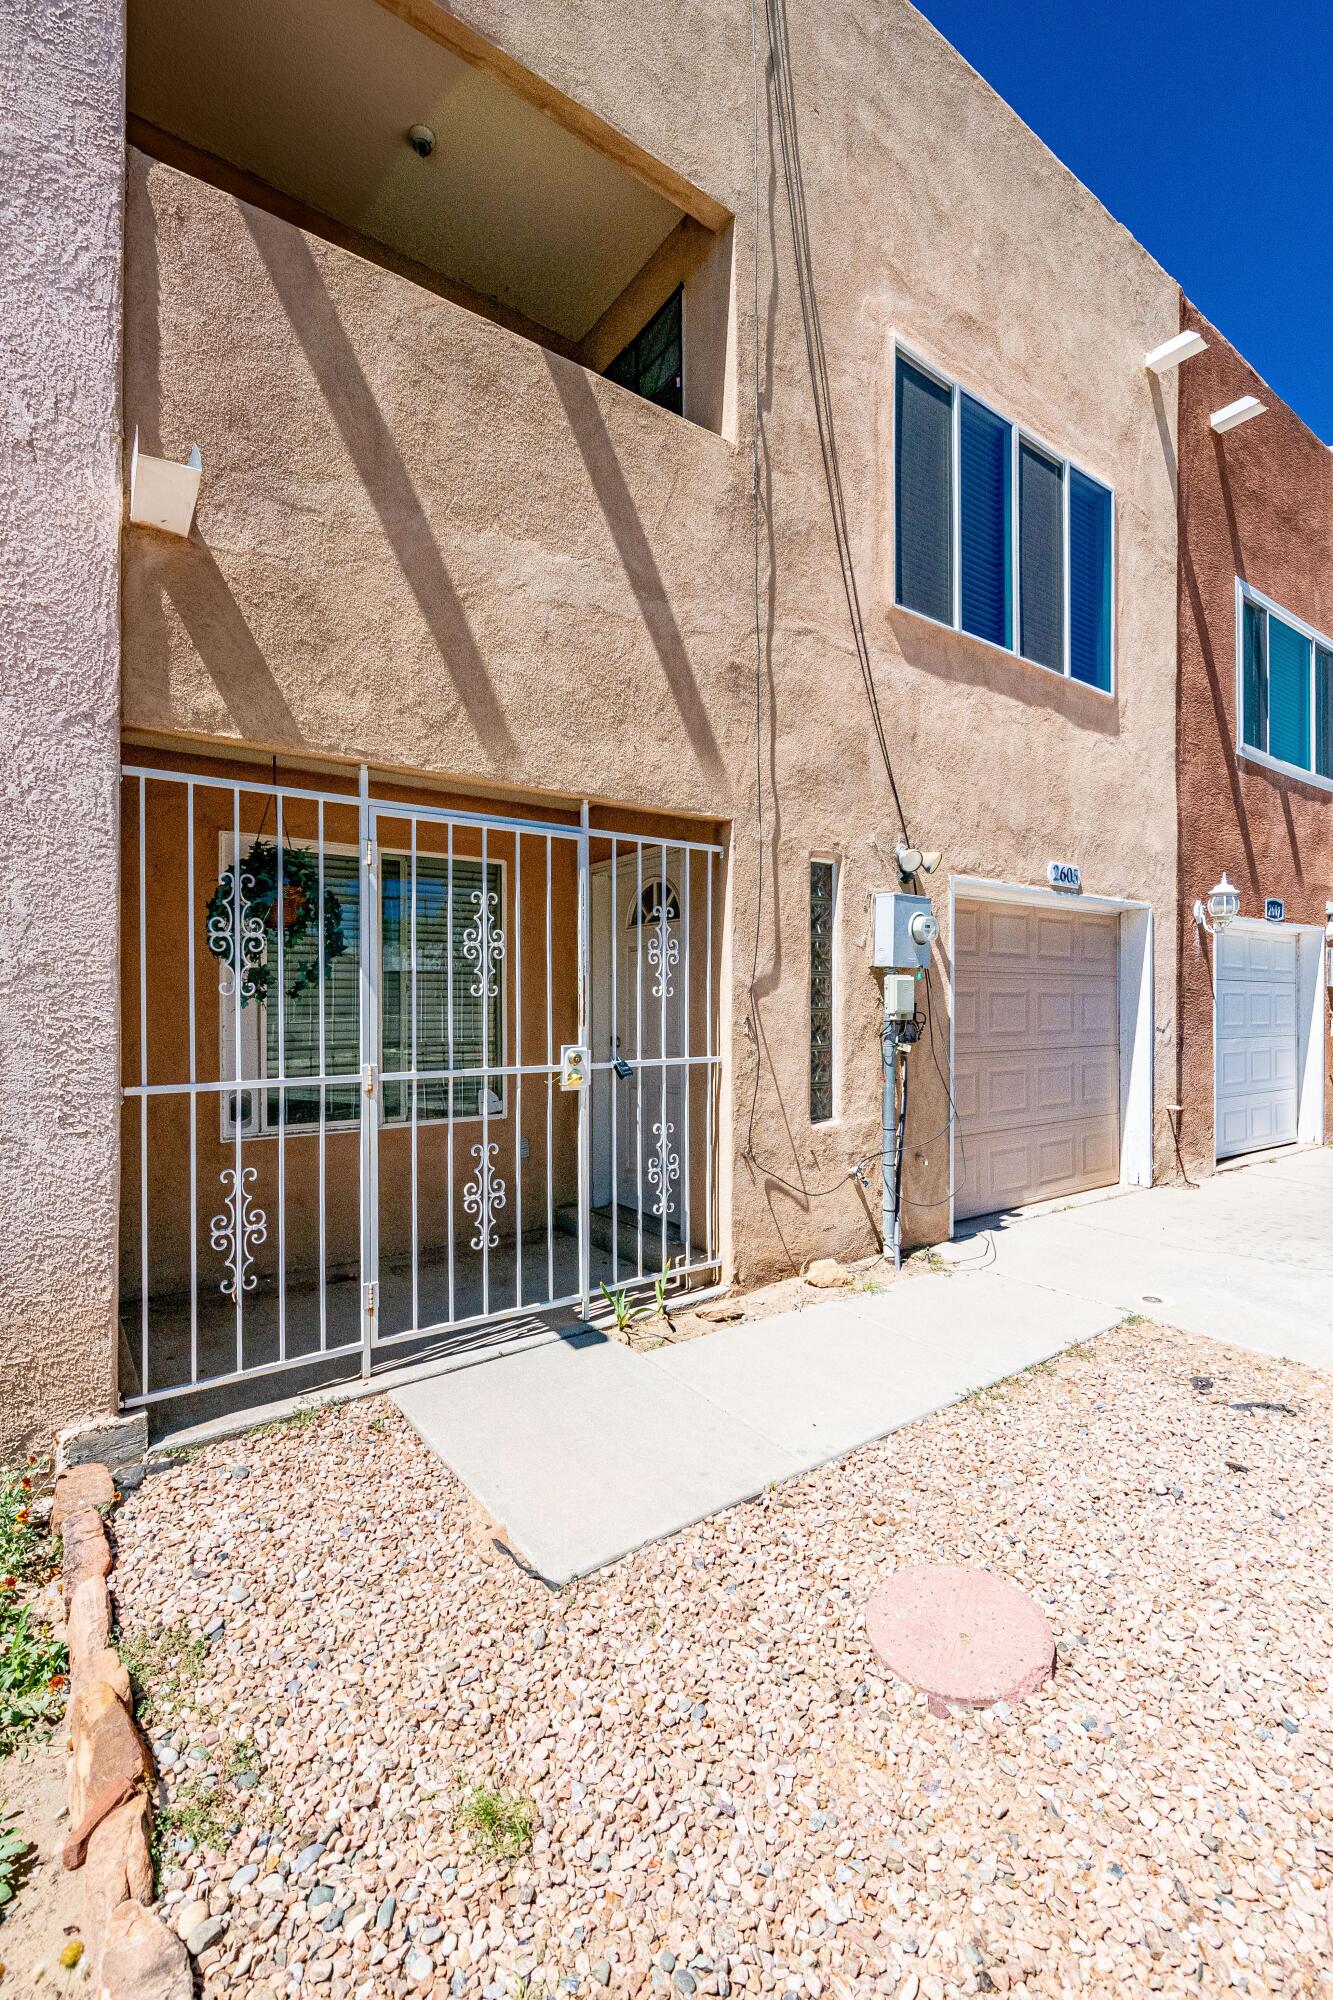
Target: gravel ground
728	1796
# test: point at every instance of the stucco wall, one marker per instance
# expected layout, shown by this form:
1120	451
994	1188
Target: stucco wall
1257	503
425	542
61	165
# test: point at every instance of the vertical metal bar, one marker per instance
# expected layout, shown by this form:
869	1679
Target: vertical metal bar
585	1094
449	1059
517	1106
637	934
613	1076
664	983
412	975
550	1094
367	873
708	1029
238	957
323	1104
194	1078
484	962
686	1074
280	923
143	1080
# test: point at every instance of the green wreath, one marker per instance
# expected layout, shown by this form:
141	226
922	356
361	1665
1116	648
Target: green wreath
259	919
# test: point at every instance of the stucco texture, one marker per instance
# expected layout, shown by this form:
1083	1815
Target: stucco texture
425	542
1255	503
61	166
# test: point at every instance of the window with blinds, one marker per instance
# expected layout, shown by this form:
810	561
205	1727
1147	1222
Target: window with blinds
1285	675
997	536
652	364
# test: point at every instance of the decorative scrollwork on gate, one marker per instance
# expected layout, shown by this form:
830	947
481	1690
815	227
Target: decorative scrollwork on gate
240	1227
482	944
239	960
663	1166
663	957
483	1195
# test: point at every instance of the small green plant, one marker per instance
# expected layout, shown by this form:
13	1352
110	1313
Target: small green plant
162	1665
500	1823
14	1850
304	1413
195	1813
623	1309
660	1283
33	1664
26	1551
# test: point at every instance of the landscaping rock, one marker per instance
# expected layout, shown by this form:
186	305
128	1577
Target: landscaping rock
141	1959
106	1747
82	1486
88	1626
118	1865
103	1664
87	1551
826	1273
119	1443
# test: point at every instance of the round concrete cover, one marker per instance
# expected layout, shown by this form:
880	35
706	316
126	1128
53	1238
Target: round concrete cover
962	1636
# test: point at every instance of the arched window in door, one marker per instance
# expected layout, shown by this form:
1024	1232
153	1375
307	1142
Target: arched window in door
646	907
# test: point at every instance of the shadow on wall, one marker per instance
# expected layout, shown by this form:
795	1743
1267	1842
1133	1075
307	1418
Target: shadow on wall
297	281
963	661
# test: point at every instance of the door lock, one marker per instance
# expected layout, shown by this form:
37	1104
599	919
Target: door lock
573	1066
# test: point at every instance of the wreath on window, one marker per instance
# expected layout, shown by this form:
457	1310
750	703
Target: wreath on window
251	959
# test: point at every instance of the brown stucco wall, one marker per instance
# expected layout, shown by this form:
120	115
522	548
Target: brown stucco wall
425	542
1257	503
62	162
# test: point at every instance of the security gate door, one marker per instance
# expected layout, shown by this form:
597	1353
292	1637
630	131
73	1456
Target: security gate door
362	1081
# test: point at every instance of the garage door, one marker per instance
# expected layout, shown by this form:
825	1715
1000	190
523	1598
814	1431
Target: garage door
1256	1040
1036	1054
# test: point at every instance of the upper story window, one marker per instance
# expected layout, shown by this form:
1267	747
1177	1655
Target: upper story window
995	535
651	364
1285	671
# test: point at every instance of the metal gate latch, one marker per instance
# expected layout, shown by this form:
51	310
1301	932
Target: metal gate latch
573	1066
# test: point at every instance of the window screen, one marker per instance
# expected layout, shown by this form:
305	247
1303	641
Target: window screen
652	363
984	483
1254	725
923	494
1288	694
1323	709
1089	581
1041	558
823	887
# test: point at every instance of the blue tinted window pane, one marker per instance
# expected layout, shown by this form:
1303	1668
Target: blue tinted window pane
1323	709
1089	581
1288	694
1254	721
984	504
1041	538
922	494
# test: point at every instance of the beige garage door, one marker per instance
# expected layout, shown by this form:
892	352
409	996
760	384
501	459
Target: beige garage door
1036	1054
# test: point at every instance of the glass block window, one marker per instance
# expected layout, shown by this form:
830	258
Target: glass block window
652	364
997	536
823	904
1285	675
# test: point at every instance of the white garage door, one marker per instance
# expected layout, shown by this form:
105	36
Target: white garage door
1256	1040
1036	1054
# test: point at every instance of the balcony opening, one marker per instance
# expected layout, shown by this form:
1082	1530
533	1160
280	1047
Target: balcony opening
413	143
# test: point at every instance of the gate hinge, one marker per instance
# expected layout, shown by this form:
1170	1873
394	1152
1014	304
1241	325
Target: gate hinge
370	1297
368	1079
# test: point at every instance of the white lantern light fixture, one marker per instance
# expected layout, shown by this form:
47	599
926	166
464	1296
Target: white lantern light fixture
1223	904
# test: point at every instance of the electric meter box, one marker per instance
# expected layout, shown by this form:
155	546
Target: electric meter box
905	928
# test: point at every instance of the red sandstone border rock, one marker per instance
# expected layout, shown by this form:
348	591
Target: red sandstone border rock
110	1781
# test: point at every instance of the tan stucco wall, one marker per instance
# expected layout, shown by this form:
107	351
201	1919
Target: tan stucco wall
425	542
61	162
1257	503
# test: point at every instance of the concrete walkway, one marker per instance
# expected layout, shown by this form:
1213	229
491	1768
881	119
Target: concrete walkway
583	1450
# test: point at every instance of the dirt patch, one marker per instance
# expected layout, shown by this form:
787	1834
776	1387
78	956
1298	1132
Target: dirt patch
47	1911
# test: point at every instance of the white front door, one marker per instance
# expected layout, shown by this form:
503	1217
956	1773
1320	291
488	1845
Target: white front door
1256	1094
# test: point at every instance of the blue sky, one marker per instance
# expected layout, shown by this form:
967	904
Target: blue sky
1207	128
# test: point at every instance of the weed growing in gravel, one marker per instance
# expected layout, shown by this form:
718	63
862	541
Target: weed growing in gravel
163	1666
500	1823
304	1413
14	1851
194	1813
33	1665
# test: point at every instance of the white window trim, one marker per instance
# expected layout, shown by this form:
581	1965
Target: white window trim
1306	774
255	1043
1021	433
835	985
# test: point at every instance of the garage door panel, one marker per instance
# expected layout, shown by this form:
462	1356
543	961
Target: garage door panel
1256	1035
1036	1050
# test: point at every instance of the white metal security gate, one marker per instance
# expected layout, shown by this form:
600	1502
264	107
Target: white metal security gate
394	1070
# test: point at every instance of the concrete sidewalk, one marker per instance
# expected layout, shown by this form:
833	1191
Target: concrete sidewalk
583	1450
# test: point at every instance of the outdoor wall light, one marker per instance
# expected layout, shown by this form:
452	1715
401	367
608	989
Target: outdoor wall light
1161	360
1239	412
915	860
163	493
1223	904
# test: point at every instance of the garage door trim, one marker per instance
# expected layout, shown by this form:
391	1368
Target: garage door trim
1137	1011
